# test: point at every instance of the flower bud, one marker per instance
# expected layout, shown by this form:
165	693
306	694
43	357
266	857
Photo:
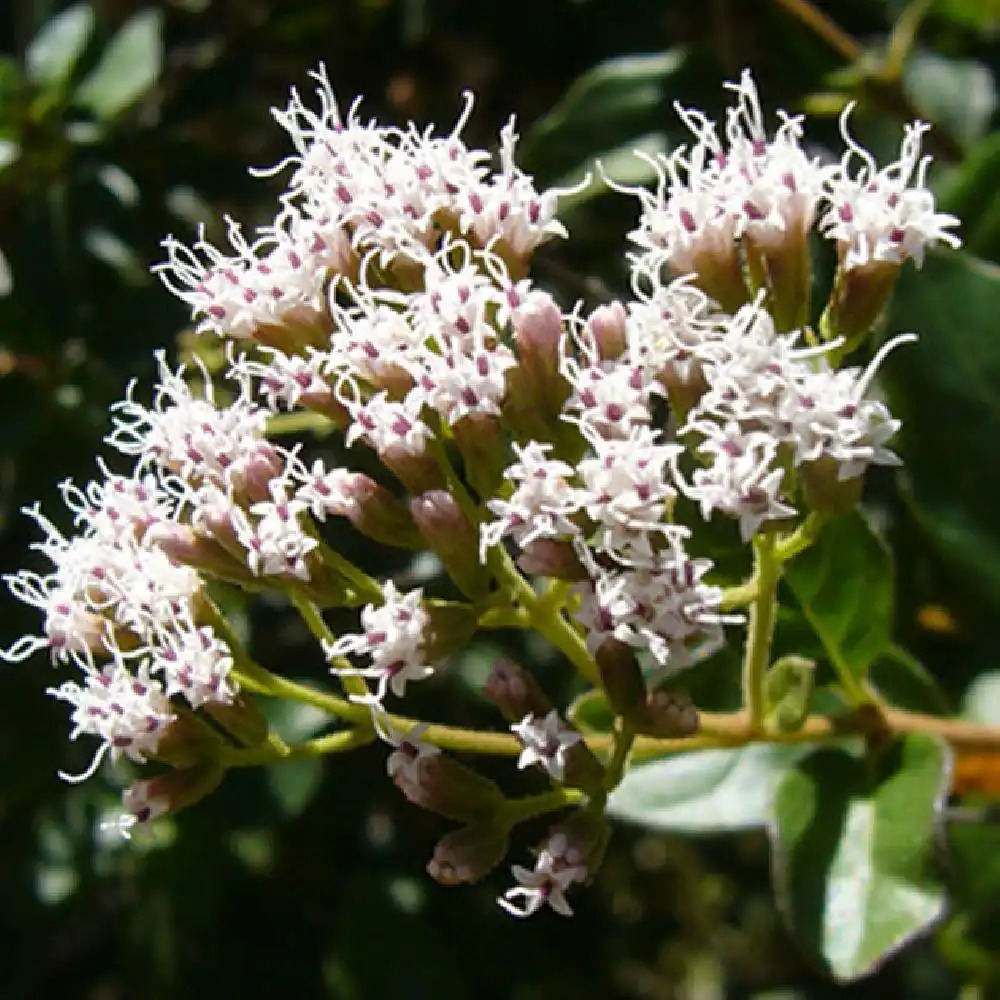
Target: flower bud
418	473
621	677
536	390
515	692
584	835
379	515
480	439
252	477
186	742
467	854
551	557
450	626
240	718
184	545
825	492
607	324
537	332
667	715
778	261
455	541
442	785
583	770
859	295
151	797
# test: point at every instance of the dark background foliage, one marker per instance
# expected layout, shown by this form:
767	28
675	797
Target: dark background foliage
122	122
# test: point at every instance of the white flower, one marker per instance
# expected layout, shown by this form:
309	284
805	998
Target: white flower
884	214
560	864
128	710
540	506
393	637
545	742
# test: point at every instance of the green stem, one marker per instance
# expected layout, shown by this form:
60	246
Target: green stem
364	586
339	742
740	595
313	618
544	616
615	769
800	539
760	628
519	810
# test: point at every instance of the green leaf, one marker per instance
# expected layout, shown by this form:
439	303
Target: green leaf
946	390
853	841
129	66
961	92
906	682
608	106
981	15
969	190
843	586
705	791
57	47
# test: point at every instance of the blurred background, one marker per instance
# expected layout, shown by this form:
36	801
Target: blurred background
122	122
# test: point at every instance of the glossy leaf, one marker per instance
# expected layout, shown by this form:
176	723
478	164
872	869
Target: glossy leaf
946	390
854	842
705	791
57	47
961	92
129	66
843	586
610	105
906	682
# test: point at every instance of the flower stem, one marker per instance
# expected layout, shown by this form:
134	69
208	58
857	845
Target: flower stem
519	810
760	629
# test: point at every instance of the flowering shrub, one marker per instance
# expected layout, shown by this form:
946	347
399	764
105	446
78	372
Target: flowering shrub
571	471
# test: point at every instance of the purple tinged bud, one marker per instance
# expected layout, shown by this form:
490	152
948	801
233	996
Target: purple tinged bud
607	324
621	677
467	854
150	797
252	479
186	546
375	512
585	834
418	473
451	536
551	557
515	692
668	716
444	786
538	331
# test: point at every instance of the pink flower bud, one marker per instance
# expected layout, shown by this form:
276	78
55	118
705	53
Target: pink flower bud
607	325
668	716
442	785
515	692
621	677
451	536
467	854
551	557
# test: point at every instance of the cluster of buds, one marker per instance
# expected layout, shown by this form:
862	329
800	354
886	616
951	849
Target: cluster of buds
391	300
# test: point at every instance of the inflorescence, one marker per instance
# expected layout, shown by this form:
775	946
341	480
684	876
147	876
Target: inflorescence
391	300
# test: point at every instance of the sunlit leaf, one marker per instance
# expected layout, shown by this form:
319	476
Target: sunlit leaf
129	66
843	585
57	47
854	841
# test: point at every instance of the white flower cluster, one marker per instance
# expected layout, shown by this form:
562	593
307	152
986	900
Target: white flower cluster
390	297
745	193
